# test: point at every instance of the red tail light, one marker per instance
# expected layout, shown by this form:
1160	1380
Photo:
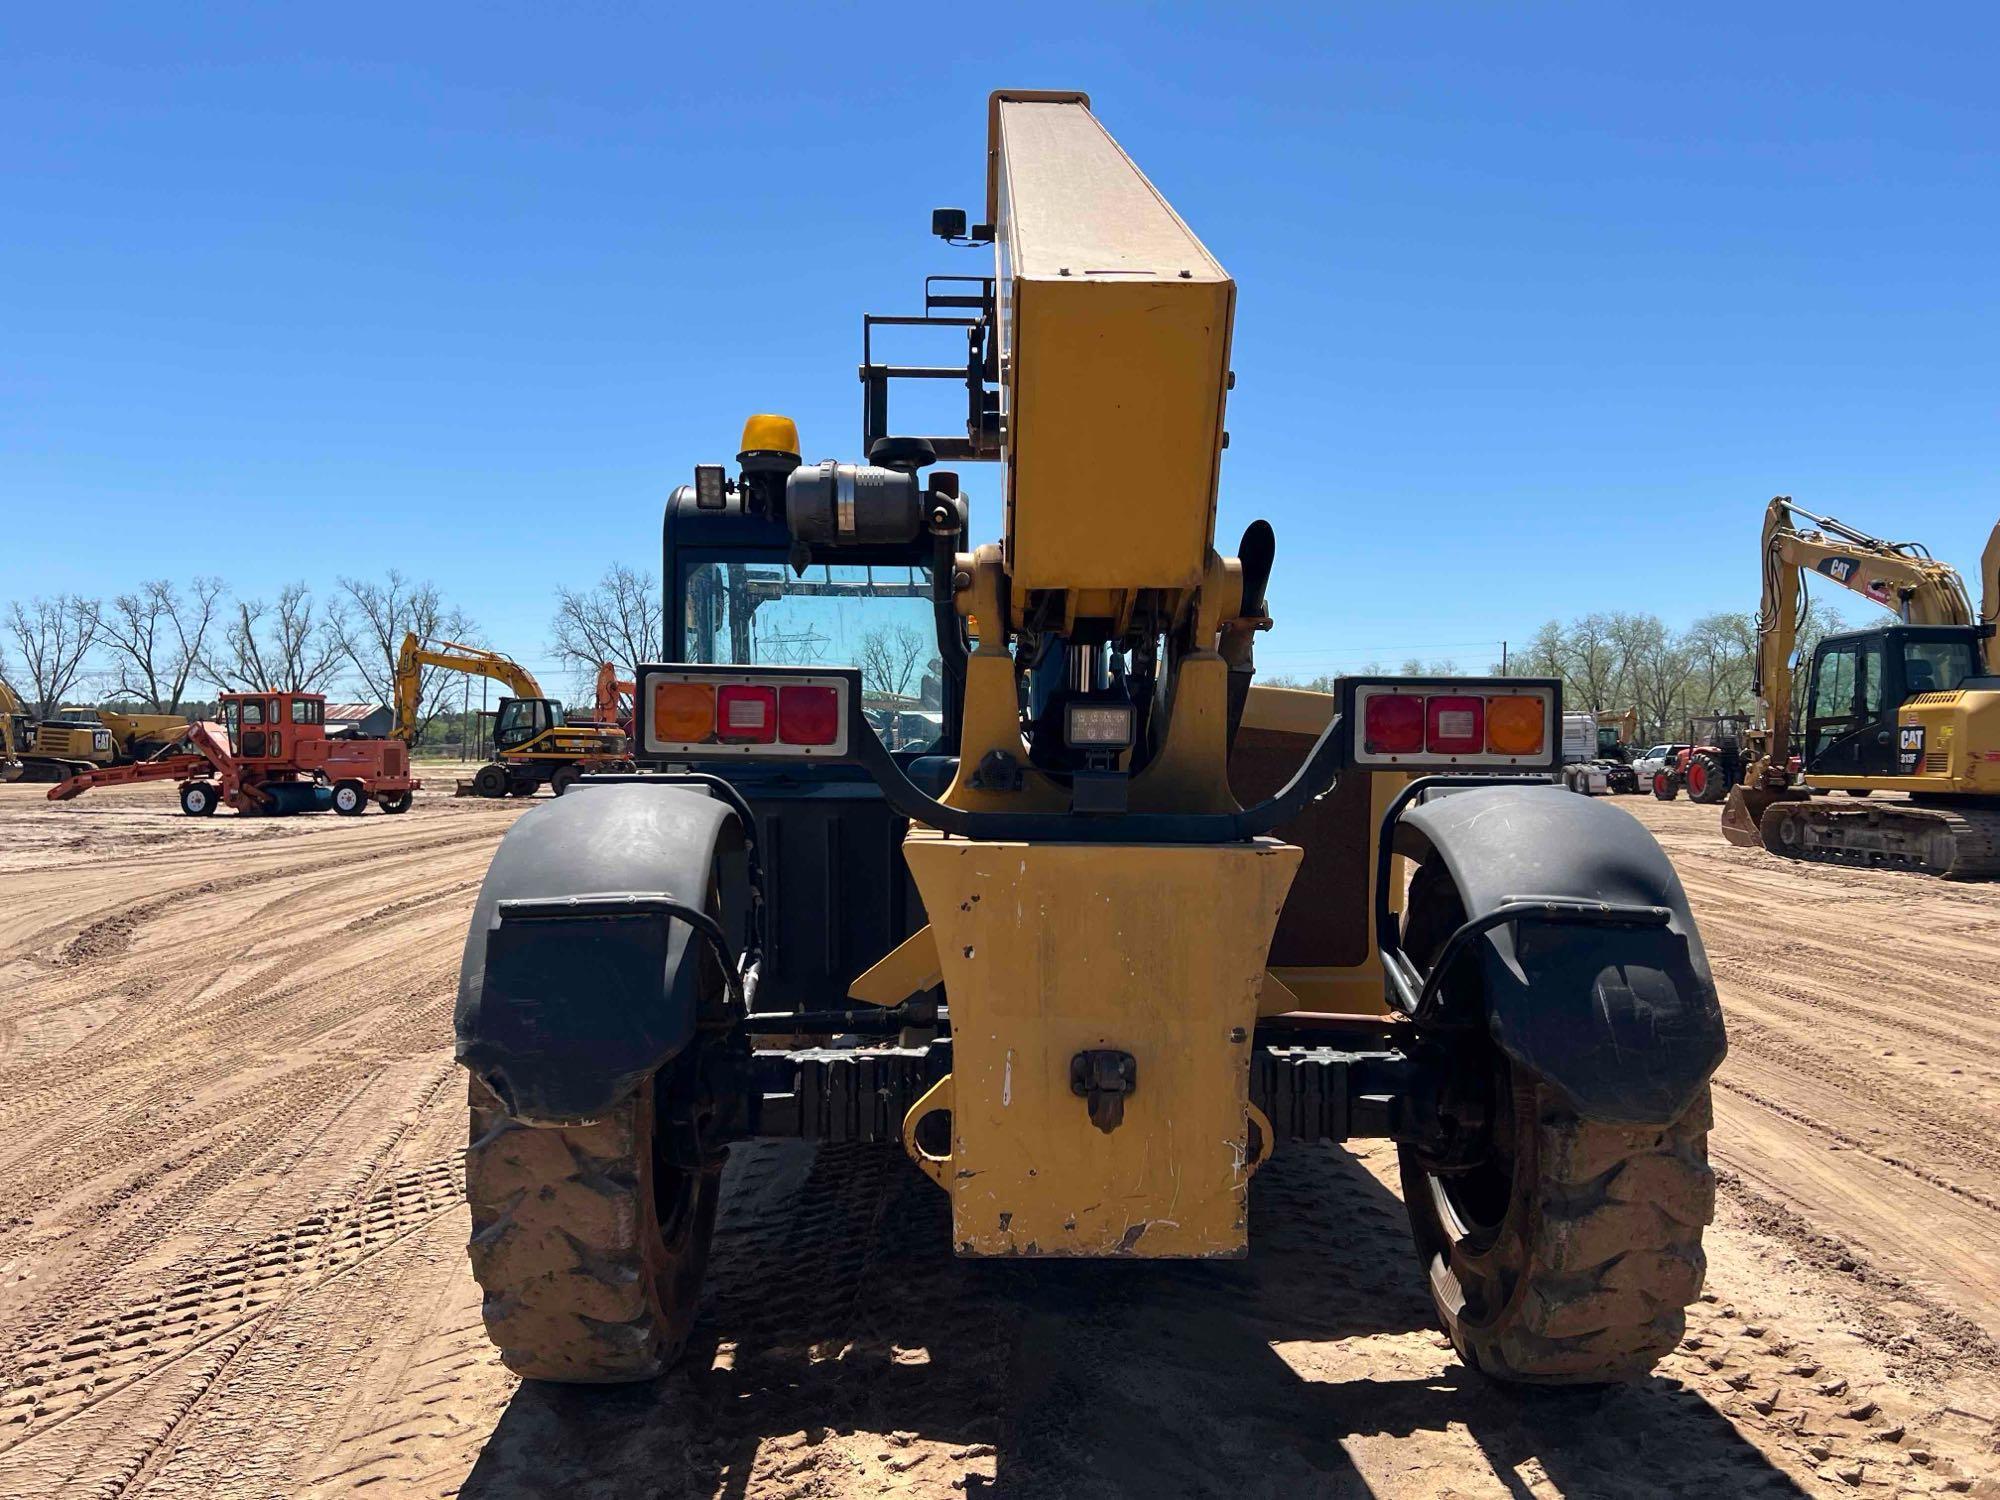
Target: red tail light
1394	724
808	715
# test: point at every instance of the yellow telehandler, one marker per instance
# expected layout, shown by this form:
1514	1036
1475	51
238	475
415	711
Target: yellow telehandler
1118	924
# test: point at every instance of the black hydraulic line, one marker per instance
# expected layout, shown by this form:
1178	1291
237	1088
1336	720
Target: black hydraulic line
723	788
1387	941
1321	767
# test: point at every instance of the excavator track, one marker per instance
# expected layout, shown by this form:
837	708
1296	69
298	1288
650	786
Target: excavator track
1958	843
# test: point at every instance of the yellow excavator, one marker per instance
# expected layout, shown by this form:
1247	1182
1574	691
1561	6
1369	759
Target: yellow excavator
534	743
1911	707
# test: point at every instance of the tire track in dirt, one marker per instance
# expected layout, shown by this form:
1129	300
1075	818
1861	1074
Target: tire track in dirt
55	1381
237	1343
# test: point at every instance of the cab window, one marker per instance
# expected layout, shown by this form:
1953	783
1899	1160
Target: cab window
1869	699
1935	666
1833	688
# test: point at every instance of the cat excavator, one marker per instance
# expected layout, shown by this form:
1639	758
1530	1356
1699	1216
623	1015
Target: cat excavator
534	742
1911	707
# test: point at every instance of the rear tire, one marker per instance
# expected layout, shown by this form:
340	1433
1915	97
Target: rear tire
1572	1258
1707	780
1569	1253
590	1241
565	778
397	802
198	799
350	799
589	1247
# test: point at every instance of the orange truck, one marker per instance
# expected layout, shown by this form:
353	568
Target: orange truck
271	754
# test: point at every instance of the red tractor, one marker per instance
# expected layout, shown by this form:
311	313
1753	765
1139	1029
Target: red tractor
1710	765
272	755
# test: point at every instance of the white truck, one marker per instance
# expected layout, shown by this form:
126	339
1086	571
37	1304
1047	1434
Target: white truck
1581	770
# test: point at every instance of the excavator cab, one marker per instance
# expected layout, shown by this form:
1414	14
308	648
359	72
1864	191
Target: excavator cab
1859	684
519	720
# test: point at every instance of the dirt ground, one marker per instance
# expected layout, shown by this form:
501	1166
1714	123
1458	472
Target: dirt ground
231	1233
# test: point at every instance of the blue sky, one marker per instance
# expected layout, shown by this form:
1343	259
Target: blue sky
1538	304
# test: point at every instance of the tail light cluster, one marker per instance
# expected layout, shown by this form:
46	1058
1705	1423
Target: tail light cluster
695	711
1424	724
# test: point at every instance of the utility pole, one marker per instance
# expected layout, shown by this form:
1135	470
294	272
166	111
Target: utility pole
1503	658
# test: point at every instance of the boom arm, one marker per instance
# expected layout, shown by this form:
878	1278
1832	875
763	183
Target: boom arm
1989	596
474	661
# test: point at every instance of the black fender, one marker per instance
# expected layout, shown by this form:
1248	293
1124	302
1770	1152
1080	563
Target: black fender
561	1014
1623	1021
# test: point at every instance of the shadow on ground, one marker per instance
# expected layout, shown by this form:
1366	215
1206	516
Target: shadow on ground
839	1329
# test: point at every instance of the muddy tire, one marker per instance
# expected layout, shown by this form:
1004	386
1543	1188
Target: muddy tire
1566	1251
490	781
1663	786
1572	1262
565	778
588	1244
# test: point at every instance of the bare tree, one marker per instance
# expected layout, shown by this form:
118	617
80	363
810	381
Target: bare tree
617	620
293	646
372	628
892	658
156	637
54	637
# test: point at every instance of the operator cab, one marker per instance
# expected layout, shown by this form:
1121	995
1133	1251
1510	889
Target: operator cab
261	725
1860	680
741	589
519	720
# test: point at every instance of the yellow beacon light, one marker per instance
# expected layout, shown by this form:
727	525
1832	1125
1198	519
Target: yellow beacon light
769	436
